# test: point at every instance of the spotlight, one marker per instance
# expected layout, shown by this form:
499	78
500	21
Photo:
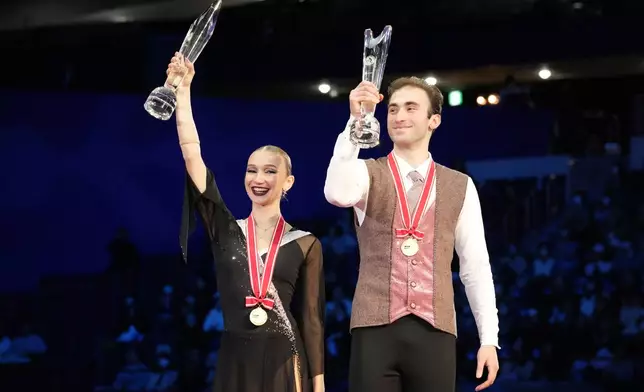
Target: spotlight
324	88
431	81
545	73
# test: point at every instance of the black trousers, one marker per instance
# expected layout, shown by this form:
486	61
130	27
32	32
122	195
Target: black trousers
408	355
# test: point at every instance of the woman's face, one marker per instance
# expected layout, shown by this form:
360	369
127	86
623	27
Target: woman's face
266	177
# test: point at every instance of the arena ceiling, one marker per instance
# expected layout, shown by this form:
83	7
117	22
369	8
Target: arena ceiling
27	14
287	46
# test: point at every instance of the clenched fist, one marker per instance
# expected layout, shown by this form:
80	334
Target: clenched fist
180	72
365	94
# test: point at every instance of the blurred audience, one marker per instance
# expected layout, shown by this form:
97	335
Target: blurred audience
569	279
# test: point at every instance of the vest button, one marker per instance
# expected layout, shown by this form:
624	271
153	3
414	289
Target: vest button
413	284
414	262
412	305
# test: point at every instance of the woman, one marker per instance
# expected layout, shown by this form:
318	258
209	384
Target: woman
273	305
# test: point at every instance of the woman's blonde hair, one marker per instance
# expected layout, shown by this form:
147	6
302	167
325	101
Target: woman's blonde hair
281	153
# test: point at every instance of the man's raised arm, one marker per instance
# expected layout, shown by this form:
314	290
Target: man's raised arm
347	178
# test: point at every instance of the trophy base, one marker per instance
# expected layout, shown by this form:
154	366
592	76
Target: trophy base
365	132
161	103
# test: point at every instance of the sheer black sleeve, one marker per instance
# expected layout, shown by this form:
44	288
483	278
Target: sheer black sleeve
313	307
210	206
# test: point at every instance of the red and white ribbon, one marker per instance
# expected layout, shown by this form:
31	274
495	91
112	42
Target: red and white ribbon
410	223
259	284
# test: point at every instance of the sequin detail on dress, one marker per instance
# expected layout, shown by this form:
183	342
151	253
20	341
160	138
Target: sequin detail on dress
284	324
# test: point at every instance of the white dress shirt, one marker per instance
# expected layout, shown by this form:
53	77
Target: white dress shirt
347	185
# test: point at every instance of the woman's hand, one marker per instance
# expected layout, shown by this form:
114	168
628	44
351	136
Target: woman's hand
318	383
180	72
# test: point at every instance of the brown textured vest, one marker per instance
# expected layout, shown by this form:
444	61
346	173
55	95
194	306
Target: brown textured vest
371	302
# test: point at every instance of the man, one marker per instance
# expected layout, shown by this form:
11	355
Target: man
403	320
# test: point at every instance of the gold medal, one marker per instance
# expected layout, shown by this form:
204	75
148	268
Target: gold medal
261	275
258	317
409	247
410	223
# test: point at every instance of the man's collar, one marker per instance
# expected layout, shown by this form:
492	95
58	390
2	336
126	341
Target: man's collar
405	168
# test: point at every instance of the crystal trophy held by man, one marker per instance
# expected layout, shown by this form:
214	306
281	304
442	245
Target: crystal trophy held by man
162	101
365	131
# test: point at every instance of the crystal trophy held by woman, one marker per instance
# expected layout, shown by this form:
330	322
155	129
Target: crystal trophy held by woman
365	131
162	101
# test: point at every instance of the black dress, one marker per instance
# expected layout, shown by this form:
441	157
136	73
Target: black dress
284	354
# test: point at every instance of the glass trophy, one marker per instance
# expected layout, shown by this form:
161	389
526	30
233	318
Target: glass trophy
365	131
162	101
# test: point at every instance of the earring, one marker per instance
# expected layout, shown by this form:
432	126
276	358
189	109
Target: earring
283	194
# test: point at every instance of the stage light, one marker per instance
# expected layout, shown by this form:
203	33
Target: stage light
431	81
481	101
493	99
455	98
545	73
324	88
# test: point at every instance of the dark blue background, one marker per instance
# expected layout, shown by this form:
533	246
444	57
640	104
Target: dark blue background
75	167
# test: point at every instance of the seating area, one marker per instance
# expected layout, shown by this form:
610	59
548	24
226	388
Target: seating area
568	274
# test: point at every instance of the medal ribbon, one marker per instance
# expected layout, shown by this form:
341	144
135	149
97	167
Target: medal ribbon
259	284
410	224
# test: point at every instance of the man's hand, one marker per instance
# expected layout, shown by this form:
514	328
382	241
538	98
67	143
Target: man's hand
486	357
366	94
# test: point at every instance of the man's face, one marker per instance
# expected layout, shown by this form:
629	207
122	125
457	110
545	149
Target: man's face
408	120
